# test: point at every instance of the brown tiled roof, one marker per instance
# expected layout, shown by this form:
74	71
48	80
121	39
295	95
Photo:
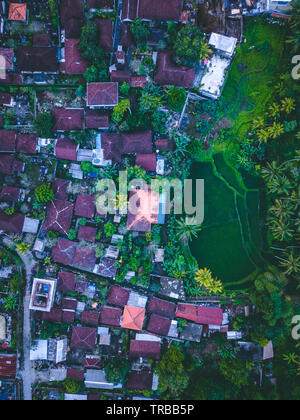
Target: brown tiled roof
72	17
69	303
66	149
11	194
102	94
5	98
55	315
162	307
75	374
60	188
12	223
146	349
41	40
7	141
74	63
64	251
68	119
107	268
129	9
120	76
111	145
68	316
126	39
66	281
12	78
140	381
59	216
138	82
200	314
17	11
84	338
42	59
100	4
92	362
6	164
8	365
90	318
164	145
26	144
170	74
85	206
110	316
105	27
85	258
118	296
87	233
140	142
81	286
8	54
96	120
160	9
159	325
147	161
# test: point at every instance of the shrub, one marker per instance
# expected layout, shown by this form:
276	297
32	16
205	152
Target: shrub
44	125
44	193
110	229
176	98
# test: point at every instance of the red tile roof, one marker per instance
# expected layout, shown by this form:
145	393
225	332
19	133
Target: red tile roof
85	258
8	365
105	27
95	120
37	59
7	141
92	362
87	233
162	307
164	145
85	206
8	54
160	9
170	74
146	349
200	314
111	144
100	4
75	374
129	9
90	318
133	318
64	251
140	381
66	149
146	161
159	325
72	17
7	164
120	76
26	144
5	98
55	315
68	119
140	142
11	194
69	303
60	188
74	63
17	11
68	316
66	281
12	78
138	82
12	223
59	216
84	338
102	94
110	316
118	296
126	39
41	40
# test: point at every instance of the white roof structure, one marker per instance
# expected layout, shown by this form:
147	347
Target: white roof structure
223	43
31	225
42	295
75	397
213	80
39	350
137	300
2	328
97	379
147	337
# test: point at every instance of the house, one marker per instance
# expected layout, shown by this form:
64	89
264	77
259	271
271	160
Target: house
105	27
164	145
73	63
8	365
140	142
41	40
224	45
66	149
84	258
77	374
68	119
17	12
66	281
87	233
53	350
90	318
102	95
92	362
26	144
96	120
133	318
43	294
7	141
110	316
157	10
59	217
162	307
9	165
102	5
12	194
146	210
146	161
159	325
7	61
64	251
85	206
84	338
72	18
13	223
169	74
95	378
106	268
6	99
60	189
192	332
37	59
120	76
200	314
145	349
140	381
118	296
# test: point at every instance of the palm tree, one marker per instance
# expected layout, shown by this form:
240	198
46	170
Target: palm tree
291	358
205	50
271	171
279	185
274	110
187	231
288	105
282	209
263	135
281	230
258	123
276	130
291	263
